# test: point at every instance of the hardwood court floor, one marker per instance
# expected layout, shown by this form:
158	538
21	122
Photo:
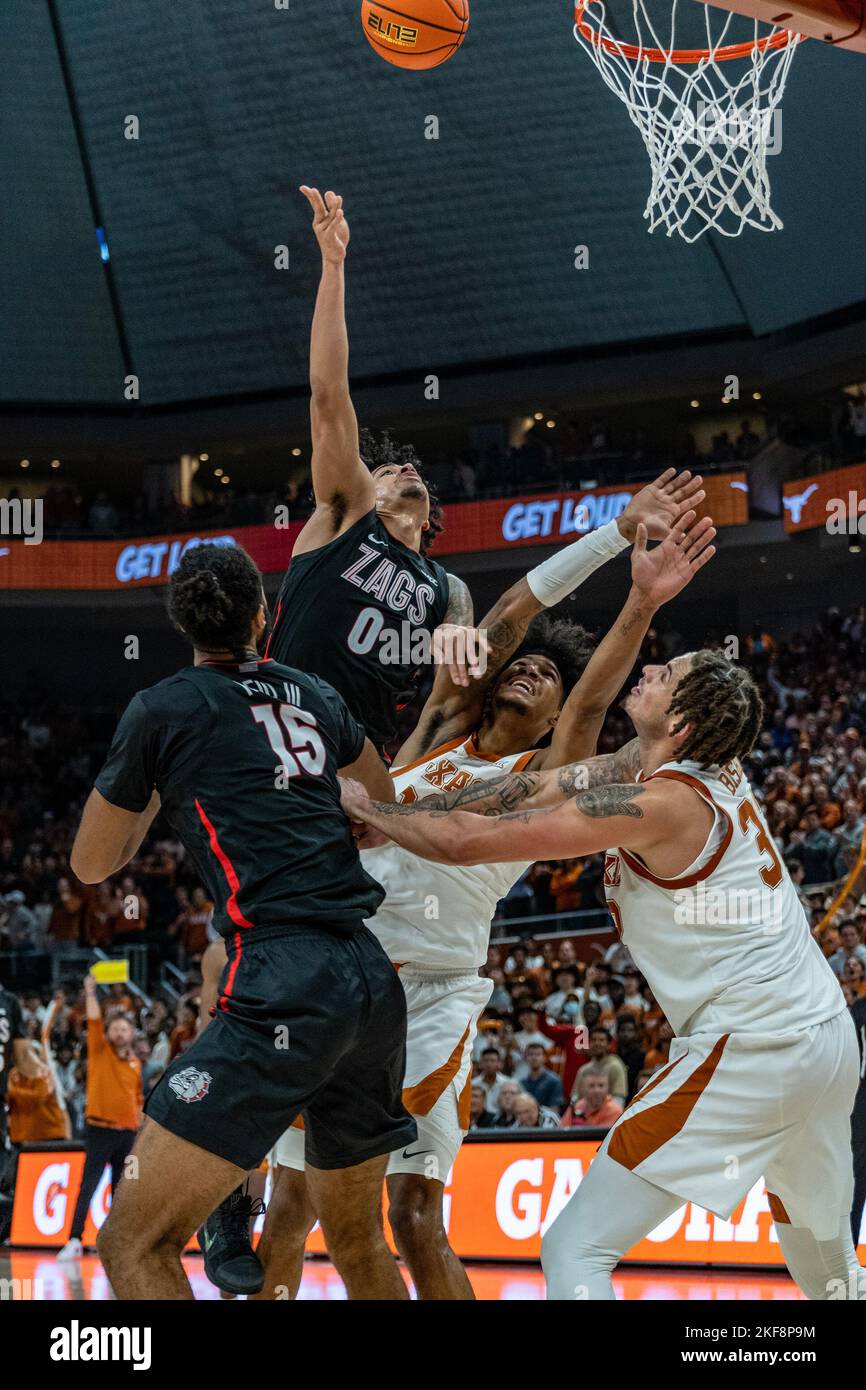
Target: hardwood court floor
85	1280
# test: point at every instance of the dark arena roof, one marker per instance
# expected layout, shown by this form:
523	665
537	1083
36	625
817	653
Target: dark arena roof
463	246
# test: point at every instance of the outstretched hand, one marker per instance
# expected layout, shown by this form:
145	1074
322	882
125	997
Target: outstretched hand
663	572
329	224
661	503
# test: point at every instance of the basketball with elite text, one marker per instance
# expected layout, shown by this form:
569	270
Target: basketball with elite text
418	34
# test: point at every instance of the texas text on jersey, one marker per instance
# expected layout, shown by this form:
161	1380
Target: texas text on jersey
245	760
352	612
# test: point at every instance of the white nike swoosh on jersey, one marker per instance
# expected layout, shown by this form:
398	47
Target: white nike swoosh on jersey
377	540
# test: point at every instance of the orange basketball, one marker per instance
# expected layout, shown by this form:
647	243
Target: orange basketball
415	33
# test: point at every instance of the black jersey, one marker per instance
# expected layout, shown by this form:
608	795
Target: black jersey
245	758
355	611
11	1027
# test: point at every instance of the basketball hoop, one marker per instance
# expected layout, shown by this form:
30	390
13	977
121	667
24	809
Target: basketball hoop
706	115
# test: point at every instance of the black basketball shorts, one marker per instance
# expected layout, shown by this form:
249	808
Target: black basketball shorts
307	1022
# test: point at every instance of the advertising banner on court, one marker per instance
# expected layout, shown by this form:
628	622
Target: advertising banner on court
836	499
506	523
499	1200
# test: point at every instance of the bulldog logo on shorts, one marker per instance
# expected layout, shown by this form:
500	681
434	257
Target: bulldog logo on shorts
190	1084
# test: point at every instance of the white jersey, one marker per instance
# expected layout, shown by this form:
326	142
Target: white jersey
438	915
726	946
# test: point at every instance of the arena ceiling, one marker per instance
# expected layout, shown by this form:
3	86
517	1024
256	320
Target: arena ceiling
462	247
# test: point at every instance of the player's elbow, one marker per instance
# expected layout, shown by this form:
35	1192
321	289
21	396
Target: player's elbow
86	865
327	398
588	710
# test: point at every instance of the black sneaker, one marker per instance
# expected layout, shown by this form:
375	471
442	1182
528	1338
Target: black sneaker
229	1259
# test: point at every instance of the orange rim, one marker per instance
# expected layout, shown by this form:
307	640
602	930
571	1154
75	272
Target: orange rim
780	39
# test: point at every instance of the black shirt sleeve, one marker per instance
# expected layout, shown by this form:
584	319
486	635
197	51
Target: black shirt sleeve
16	1021
129	774
349	734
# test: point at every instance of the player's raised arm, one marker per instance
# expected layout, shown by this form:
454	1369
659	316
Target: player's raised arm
342	484
634	815
454	709
658	575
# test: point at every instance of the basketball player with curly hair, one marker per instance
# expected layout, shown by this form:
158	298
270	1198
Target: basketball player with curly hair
242	754
764	1067
359	570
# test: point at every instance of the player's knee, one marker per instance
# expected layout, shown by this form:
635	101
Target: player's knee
571	1261
350	1235
123	1245
552	1250
290	1208
415	1215
107	1245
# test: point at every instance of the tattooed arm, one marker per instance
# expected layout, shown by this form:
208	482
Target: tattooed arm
591	821
511	791
664	820
461	609
534	790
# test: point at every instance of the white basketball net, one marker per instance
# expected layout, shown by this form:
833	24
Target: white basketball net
708	121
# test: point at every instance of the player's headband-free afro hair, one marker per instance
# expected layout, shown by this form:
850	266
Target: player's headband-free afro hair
213	596
568	645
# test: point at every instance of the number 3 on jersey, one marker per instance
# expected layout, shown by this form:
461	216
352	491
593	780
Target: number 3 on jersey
305	752
747	815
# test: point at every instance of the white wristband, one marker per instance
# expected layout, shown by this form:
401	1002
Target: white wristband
556	578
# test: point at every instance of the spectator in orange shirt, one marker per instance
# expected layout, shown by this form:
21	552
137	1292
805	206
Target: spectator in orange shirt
190	927
564	888
99	916
67	915
131	910
37	1110
653	1018
113	1114
597	1108
660	1051
184	1035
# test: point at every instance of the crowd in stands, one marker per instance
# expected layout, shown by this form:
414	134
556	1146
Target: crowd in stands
564	1041
559	458
547	459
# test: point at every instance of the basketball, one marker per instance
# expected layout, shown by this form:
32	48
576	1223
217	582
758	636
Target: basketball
420	34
